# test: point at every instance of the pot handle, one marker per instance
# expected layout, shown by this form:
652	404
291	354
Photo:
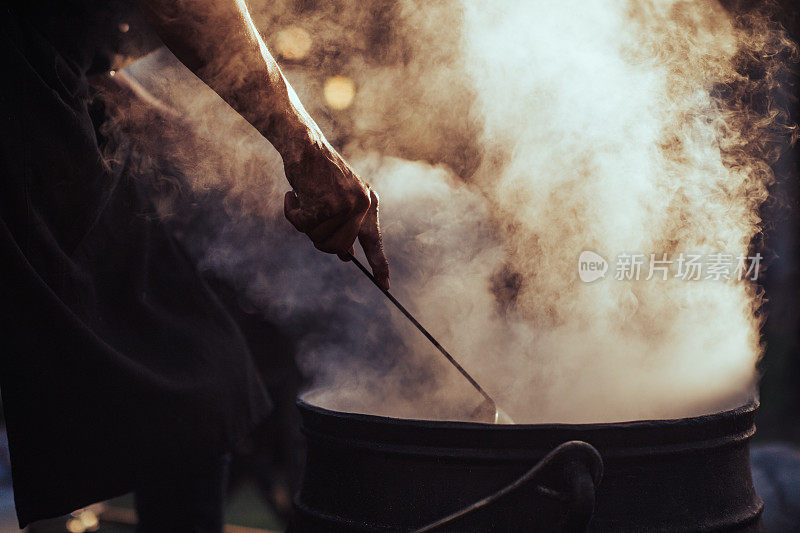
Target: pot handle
583	469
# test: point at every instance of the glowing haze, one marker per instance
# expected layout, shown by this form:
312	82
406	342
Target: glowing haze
543	129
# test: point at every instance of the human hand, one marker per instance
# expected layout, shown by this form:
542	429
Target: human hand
333	206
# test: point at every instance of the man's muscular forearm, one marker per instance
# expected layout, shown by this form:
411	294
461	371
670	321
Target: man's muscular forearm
218	41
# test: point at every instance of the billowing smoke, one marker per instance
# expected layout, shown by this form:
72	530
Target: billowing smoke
505	139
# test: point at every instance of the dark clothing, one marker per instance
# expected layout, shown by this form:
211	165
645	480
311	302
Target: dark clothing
191	502
116	360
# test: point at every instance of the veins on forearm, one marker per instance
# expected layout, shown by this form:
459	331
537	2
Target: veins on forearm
219	42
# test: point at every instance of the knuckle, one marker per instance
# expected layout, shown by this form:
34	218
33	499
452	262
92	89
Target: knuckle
361	201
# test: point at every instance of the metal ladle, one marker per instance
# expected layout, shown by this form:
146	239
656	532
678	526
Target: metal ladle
488	409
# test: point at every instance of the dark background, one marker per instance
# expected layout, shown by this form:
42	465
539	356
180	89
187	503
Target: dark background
779	416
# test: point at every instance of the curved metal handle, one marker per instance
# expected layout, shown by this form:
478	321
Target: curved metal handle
582	473
583	483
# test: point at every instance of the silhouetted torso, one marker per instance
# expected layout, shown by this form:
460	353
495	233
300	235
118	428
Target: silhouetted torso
116	357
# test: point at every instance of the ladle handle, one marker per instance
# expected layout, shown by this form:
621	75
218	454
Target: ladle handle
424	331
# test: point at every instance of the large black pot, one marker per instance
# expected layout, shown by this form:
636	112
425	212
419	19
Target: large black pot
373	473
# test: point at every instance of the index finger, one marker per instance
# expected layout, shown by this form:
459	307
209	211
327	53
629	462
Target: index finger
371	242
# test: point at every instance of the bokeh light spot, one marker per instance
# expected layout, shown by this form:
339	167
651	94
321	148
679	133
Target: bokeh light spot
74	525
293	43
339	92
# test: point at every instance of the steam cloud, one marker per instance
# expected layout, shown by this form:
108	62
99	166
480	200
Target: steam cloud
504	138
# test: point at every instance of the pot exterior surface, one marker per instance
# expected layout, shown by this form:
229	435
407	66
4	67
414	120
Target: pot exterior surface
371	473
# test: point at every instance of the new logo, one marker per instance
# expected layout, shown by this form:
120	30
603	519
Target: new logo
591	266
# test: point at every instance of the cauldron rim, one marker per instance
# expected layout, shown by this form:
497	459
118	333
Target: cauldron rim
636	437
303	403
